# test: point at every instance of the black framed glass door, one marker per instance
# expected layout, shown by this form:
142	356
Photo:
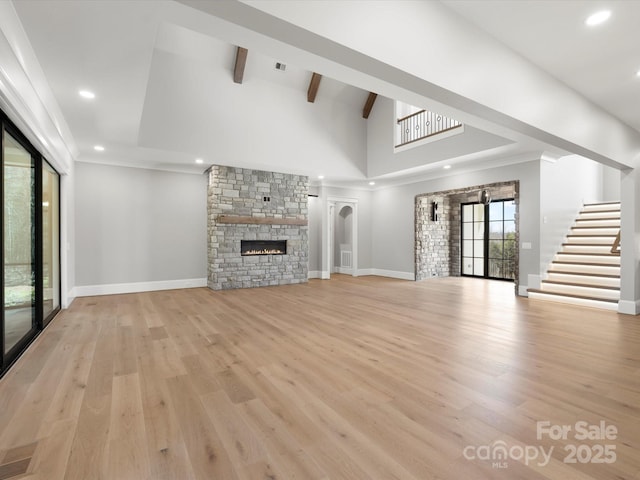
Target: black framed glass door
18	243
29	243
489	248
50	242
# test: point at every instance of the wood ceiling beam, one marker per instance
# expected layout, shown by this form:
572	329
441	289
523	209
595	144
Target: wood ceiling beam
314	84
241	61
371	99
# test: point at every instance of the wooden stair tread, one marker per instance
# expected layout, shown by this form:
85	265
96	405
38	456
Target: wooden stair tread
583	274
592	235
597	219
571	295
601	227
585	254
601	203
581	285
586	245
585	264
583	212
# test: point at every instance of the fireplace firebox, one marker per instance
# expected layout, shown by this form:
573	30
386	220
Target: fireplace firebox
263	247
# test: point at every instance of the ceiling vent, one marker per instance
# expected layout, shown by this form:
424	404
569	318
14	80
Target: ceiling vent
281	66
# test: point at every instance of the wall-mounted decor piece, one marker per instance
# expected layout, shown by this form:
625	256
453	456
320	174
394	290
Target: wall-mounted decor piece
484	197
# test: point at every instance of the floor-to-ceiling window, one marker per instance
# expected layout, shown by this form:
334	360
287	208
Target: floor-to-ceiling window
30	246
473	239
18	239
50	242
489	240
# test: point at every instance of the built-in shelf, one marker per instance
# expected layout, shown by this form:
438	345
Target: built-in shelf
239	219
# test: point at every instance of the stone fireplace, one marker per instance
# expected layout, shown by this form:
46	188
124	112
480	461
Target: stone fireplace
257	228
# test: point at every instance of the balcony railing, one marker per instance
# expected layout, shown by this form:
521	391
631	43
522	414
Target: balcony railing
423	124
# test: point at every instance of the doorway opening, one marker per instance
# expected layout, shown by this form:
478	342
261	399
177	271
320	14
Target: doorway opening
489	239
439	232
341	238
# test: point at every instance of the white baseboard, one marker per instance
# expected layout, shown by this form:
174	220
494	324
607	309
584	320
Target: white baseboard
71	296
344	271
629	307
366	271
117	288
387	273
522	290
363	272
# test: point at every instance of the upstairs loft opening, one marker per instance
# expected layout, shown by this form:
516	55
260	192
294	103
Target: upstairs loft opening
416	126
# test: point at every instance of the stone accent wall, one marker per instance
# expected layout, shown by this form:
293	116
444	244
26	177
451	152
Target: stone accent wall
437	245
432	237
260	194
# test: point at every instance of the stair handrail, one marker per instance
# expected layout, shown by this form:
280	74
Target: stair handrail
615	248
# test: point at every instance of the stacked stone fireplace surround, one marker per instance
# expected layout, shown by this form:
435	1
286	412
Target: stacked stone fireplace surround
274	207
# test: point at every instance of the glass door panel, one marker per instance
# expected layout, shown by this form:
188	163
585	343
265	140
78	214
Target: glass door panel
502	245
489	239
473	228
18	184
50	242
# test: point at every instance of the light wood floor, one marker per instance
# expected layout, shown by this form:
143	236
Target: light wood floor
366	378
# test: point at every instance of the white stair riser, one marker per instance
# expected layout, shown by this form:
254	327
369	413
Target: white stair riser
598	270
575	301
587	215
594	281
594	239
599	223
594	231
609	260
603	206
587	291
587	249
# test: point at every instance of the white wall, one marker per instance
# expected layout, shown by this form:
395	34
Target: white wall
393	233
67	237
565	186
264	123
610	184
136	226
315	234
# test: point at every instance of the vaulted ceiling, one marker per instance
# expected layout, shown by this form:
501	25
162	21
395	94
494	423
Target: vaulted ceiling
163	77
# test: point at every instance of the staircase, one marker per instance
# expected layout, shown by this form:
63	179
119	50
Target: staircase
587	269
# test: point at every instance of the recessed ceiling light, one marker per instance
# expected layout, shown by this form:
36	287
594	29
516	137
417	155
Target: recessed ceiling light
199	160
598	18
447	167
99	148
320	177
638	73
87	94
372	183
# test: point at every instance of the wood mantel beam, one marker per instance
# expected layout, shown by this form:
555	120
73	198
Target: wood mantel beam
371	99
314	84
248	220
241	61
